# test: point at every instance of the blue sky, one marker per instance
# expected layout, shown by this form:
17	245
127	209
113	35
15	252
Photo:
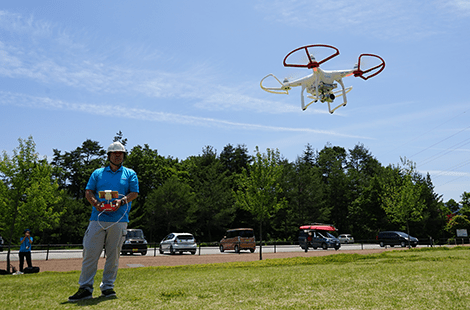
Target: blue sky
182	75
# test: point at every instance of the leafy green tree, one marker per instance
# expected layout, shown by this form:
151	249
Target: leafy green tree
332	164
457	222
364	212
29	194
310	156
152	170
453	206
235	159
304	193
435	212
401	197
73	169
259	191
214	208
73	222
465	203
167	207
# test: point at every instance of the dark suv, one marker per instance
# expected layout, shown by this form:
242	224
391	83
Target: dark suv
135	242
318	236
393	238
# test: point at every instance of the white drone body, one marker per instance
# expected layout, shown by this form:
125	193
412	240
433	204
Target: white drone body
321	85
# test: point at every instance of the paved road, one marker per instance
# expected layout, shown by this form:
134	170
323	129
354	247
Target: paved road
64	254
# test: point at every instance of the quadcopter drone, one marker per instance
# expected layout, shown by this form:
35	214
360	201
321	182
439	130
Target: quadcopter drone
320	85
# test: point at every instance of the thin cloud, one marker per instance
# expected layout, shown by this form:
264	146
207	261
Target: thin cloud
87	73
459	8
8	98
385	19
436	173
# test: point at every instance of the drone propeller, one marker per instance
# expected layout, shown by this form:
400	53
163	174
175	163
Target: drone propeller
370	72
281	89
309	51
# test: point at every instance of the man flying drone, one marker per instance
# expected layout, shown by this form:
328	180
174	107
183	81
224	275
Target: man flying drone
321	84
109	191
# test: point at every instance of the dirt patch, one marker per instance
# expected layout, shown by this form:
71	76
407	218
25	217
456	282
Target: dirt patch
133	261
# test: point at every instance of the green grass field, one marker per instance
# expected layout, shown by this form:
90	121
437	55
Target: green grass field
427	278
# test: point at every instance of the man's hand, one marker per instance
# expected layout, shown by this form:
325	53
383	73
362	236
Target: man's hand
98	206
121	202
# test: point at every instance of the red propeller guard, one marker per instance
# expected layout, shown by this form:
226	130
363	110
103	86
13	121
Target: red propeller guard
311	64
360	73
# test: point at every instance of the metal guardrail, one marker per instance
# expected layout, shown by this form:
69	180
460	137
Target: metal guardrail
46	248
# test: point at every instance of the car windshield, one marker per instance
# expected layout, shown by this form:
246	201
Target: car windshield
403	234
185	237
246	233
325	234
330	235
135	234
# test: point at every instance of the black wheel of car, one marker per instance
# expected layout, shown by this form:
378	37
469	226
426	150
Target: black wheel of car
314	247
181	252
324	246
382	244
172	251
193	252
403	244
337	248
252	250
221	248
144	253
160	250
237	250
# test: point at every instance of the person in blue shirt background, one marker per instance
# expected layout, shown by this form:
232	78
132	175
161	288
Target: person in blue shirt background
106	228
25	249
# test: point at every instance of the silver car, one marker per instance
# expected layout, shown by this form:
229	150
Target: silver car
178	243
346	238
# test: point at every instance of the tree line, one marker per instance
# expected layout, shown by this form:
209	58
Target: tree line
211	192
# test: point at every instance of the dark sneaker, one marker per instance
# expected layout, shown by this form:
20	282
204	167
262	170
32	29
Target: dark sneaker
108	293
82	294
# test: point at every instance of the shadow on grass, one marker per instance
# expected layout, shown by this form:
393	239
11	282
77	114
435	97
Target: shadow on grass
89	302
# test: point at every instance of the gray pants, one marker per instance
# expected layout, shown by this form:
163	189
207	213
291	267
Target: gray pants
110	236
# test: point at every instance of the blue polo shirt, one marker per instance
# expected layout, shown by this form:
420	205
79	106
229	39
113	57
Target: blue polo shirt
123	180
26	245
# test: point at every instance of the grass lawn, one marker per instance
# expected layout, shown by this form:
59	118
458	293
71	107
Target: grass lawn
426	278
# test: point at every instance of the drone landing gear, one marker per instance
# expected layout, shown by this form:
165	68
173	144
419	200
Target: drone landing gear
343	93
327	96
